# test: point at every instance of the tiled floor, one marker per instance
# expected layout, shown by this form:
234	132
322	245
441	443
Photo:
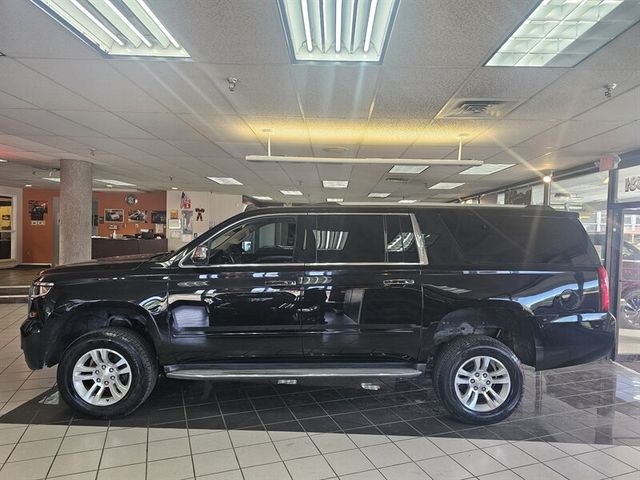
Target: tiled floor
580	423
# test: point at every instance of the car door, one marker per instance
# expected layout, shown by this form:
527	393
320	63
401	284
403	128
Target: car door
361	292
243	303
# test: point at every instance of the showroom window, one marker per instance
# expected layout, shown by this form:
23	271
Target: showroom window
587	196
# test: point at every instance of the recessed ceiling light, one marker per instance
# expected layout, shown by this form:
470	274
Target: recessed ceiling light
335	183
487	169
291	192
445	186
261	197
562	33
115	182
408	168
174	188
2	160
406	200
51	179
378	195
115	27
109	185
28	185
335	149
225	180
337	30
336	200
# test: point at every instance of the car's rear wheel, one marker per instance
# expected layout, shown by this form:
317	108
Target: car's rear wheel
107	373
478	379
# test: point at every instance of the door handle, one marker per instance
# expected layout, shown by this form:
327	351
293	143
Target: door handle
280	283
398	281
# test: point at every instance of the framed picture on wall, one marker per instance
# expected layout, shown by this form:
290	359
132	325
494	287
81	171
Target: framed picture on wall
137	216
158	216
114	215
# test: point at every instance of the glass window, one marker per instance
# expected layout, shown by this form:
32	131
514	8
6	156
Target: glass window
259	241
348	238
401	242
495	239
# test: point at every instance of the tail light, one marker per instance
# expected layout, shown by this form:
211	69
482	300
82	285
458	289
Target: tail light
603	280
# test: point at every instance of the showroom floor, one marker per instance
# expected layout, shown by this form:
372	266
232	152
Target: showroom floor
579	423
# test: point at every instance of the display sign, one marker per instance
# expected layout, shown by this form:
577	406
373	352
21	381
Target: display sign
629	184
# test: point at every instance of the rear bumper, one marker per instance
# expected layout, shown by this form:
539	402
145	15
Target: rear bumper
574	339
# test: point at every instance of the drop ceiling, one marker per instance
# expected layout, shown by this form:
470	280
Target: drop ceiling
159	124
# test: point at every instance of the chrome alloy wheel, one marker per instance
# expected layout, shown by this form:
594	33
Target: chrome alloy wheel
482	384
101	377
631	309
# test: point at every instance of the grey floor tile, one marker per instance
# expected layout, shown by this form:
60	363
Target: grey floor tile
443	468
296	448
36	449
368	475
451	445
478	462
215	462
405	471
574	469
75	462
171	469
419	448
541	451
538	471
332	442
273	471
126	436
385	455
604	463
350	461
510	456
625	454
127	455
210	442
26	470
506	475
253	455
231	475
128	472
309	468
83	443
174	447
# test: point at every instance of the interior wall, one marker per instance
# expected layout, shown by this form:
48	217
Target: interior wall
37	239
146	201
16	193
217	208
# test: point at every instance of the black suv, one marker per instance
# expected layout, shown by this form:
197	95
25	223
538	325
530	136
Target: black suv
464	292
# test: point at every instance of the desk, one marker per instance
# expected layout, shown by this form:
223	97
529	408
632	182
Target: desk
110	247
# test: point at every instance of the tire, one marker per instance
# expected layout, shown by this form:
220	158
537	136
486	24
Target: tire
630	310
499	366
108	347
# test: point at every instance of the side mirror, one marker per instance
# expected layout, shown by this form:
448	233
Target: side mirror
200	254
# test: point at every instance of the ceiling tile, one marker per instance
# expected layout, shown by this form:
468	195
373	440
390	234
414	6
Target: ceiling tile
166	126
50	122
507	82
106	123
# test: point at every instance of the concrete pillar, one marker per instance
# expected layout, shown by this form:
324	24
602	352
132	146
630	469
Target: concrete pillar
75	211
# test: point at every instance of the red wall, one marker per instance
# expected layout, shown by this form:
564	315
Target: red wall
146	201
37	240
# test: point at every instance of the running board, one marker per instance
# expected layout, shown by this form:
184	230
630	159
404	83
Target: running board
240	372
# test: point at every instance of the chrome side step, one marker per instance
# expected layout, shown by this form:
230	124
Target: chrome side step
218	372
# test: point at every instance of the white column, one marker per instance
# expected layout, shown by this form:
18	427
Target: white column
75	211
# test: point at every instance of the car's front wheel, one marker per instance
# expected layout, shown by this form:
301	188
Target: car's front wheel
630	311
107	373
478	379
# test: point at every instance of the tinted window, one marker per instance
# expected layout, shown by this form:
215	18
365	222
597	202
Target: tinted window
473	238
401	243
348	238
269	240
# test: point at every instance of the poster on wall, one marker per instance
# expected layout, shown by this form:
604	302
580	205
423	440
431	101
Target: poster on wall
173	215
158	216
518	197
187	222
137	216
185	201
114	215
174	224
199	212
37	209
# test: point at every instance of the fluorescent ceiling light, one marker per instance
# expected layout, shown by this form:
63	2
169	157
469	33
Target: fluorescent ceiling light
51	179
562	33
2	160
225	180
445	186
408	168
487	169
406	200
261	197
28	185
115	27
115	182
337	30
336	200
291	192
335	183
366	161
378	195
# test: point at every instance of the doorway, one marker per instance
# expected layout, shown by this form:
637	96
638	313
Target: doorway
628	281
7	228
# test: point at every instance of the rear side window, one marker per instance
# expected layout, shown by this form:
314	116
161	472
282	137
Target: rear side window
401	242
473	238
348	238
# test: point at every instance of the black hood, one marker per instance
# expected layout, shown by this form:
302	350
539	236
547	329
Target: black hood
106	265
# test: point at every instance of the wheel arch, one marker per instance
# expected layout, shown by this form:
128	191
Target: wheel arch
507	323
90	317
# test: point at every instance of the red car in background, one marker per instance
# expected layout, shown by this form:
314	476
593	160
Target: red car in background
629	310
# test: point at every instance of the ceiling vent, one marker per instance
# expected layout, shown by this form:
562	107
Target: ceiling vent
396	180
468	108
